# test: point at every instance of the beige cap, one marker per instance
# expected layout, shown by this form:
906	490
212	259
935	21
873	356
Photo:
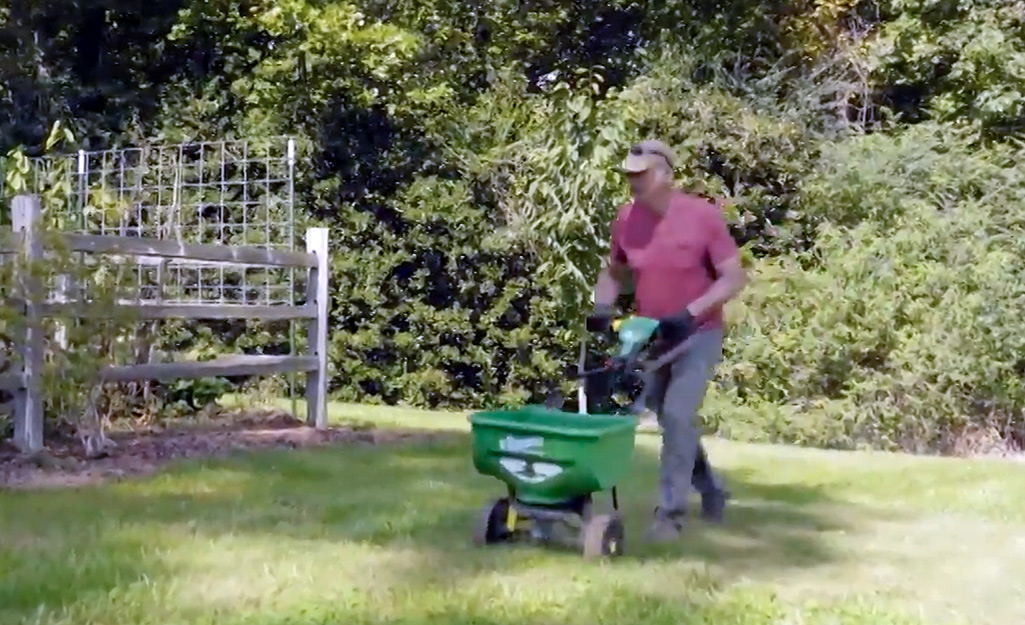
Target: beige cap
647	154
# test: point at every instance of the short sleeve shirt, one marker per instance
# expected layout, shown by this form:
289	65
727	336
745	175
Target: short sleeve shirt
672	256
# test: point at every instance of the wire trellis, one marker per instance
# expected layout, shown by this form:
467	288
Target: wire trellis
238	192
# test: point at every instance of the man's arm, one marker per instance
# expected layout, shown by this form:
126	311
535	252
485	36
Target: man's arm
731	277
610	283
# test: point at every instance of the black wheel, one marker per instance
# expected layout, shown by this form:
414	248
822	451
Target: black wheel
491	525
603	536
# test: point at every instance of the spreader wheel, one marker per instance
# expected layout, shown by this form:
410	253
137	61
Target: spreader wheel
491	525
603	536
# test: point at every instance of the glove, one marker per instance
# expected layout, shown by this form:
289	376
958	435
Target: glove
675	329
599	320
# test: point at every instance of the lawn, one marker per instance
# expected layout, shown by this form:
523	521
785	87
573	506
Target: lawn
368	534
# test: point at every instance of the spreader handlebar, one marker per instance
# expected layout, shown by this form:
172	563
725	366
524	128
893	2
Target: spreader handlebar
611	364
648	366
668	357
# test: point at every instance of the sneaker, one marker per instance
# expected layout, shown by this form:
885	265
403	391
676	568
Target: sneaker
665	527
713	504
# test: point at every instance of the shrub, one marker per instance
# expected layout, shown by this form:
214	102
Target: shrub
903	330
433	308
468	288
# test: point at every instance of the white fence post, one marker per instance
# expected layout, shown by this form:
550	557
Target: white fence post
62	297
28	400
317	296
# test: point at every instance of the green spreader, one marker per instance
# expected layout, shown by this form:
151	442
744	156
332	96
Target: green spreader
553	461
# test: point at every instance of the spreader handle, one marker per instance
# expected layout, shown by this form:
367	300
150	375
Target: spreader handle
669	356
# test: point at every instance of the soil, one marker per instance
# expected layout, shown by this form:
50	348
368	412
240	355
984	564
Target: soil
65	463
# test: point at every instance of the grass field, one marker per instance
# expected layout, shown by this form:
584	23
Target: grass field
382	535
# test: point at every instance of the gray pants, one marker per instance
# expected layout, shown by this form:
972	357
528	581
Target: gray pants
675	394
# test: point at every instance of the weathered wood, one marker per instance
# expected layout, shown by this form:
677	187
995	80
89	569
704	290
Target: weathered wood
11	381
63	296
317	296
24	384
185	311
28	399
223	366
236	255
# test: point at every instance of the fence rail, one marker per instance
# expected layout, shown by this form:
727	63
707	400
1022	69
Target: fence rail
161	248
150	311
230	365
24	382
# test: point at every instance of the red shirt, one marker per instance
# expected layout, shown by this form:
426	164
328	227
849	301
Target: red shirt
672	257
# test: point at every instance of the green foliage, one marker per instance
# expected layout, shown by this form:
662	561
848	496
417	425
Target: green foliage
551	160
463	156
97	331
953	61
75	349
470	291
922	342
433	313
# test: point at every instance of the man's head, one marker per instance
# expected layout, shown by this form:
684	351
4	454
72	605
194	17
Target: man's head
649	168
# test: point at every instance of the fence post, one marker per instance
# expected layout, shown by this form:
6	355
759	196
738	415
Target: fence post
62	297
317	295
28	400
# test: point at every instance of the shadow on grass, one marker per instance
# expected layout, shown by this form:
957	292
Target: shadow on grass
422	497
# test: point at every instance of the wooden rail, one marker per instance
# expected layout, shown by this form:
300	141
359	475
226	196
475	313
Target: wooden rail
223	366
234	255
148	311
25	384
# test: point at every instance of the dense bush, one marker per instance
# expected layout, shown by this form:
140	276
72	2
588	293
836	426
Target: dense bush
952	61
436	309
470	289
462	155
904	328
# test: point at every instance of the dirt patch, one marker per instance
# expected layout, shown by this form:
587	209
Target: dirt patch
64	463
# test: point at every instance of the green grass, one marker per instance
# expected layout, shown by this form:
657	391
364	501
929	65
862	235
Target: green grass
381	535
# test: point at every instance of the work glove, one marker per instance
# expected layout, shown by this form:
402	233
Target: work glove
600	319
675	329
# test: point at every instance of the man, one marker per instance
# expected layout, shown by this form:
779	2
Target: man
684	266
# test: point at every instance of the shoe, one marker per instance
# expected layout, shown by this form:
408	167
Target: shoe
665	528
713	504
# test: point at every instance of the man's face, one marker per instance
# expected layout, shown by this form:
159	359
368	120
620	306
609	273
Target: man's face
643	183
649	169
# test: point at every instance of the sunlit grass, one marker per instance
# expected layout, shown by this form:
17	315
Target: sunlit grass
382	535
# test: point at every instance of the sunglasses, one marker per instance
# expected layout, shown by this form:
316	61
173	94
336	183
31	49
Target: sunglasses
639	150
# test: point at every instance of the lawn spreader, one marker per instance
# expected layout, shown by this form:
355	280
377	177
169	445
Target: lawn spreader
553	461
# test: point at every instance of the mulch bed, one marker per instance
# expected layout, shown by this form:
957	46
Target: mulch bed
64	463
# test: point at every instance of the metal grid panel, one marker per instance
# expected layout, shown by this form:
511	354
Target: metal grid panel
218	192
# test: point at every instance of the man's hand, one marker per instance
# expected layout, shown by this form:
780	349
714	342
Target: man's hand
605	294
675	329
608	287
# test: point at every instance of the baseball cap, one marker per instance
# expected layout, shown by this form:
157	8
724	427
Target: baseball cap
647	154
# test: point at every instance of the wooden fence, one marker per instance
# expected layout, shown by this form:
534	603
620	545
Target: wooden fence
25	384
